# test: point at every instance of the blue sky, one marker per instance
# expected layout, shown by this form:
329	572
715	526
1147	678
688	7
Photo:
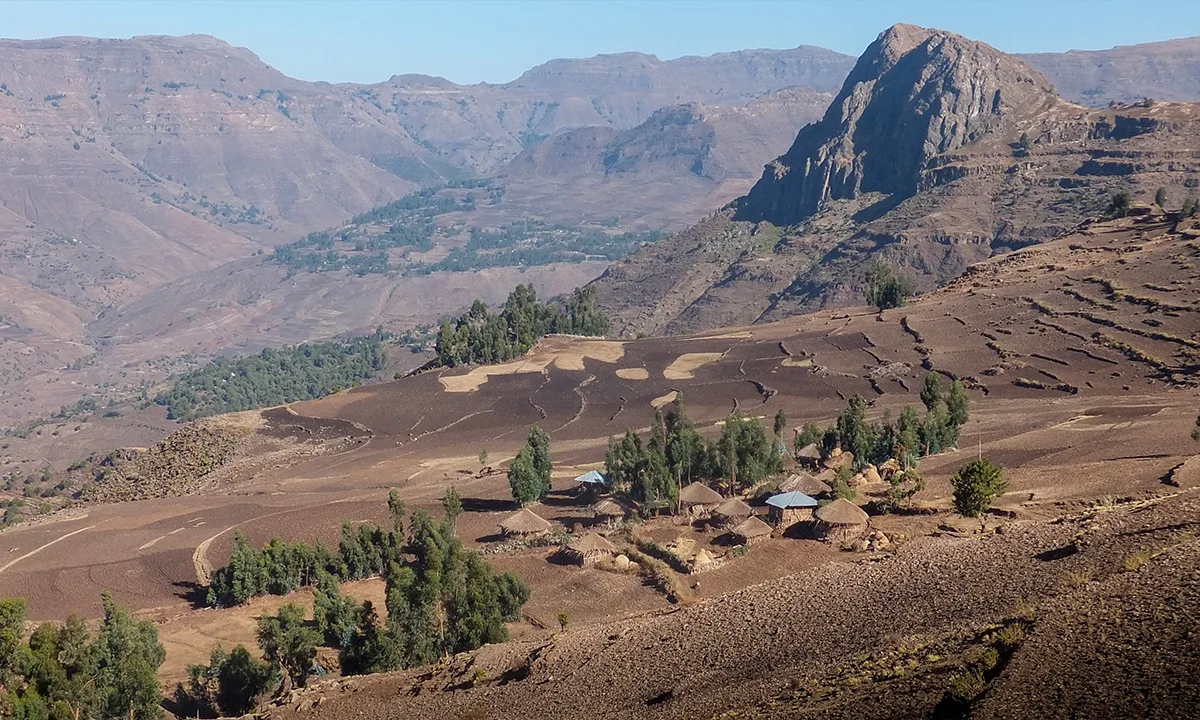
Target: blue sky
494	40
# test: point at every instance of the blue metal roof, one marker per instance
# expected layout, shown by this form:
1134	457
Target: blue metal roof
591	478
792	499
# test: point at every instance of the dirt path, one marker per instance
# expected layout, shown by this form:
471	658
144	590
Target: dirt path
37	550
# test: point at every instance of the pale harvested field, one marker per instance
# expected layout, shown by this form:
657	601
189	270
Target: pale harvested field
685	365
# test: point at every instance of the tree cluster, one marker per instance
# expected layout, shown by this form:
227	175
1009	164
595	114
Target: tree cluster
906	438
280	568
442	598
652	473
274	377
886	288
481	336
529	472
62	672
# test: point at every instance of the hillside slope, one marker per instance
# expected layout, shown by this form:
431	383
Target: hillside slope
920	160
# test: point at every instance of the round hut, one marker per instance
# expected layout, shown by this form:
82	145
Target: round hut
840	521
699	499
524	524
789	508
731	512
608	511
751	531
807	484
809	455
590	548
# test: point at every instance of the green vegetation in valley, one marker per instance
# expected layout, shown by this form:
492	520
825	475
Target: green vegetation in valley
481	336
274	377
364	245
533	242
63	672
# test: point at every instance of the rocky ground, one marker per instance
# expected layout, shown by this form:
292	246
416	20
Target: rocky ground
1106	602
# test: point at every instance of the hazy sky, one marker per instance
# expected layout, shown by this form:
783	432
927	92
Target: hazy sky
494	40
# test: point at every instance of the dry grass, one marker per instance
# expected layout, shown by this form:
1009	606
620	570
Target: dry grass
1136	561
1075	579
564	355
633	374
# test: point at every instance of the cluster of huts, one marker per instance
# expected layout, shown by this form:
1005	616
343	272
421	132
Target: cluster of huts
802	506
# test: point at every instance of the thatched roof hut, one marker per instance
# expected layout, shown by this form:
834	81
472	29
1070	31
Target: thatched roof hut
699	498
524	523
810	454
805	483
840	520
751	530
608	509
589	549
732	510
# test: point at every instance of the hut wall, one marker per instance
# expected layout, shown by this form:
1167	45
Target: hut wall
787	517
838	533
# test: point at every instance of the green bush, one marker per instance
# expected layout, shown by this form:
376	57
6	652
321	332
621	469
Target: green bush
976	487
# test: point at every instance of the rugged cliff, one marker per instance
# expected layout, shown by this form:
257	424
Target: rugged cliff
914	94
938	152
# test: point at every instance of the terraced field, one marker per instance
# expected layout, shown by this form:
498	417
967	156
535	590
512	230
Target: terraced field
1081	356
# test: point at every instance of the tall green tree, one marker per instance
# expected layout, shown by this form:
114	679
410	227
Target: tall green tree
855	434
452	504
931	391
687	456
288	642
524	479
538	443
128	656
745	454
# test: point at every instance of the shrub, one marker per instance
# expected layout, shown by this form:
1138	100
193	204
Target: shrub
1010	637
1075	579
976	487
1118	206
1135	561
885	288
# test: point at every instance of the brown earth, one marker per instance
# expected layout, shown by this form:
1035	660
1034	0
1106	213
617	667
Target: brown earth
1080	358
152	169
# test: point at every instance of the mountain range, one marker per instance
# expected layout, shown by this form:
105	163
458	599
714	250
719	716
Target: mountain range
151	177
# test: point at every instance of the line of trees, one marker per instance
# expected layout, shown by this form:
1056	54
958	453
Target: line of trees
441	599
906	438
65	673
274	377
651	473
481	336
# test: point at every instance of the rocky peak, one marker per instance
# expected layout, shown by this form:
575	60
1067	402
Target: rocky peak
914	94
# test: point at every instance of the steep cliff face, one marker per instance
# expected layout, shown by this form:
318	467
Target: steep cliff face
914	94
938	153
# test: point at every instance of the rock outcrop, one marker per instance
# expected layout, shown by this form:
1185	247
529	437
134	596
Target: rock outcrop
914	94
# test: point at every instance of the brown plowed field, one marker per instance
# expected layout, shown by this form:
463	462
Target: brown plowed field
1081	354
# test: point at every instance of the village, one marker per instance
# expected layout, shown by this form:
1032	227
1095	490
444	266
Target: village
706	529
